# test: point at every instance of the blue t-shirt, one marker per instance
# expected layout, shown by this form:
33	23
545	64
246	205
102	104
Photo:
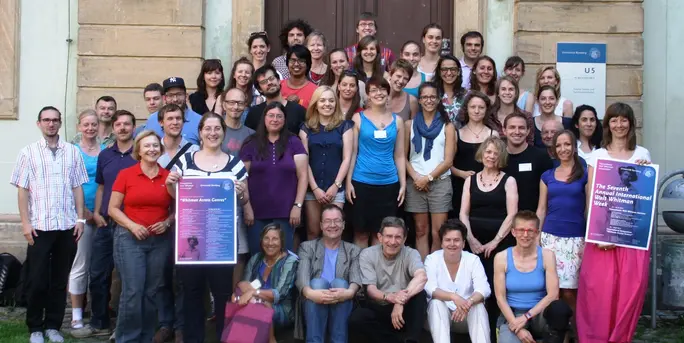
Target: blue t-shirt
90	187
190	127
566	204
329	264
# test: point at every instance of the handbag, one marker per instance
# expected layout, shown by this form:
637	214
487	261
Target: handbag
247	324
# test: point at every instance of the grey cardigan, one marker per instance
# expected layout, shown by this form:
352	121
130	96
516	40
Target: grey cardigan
311	259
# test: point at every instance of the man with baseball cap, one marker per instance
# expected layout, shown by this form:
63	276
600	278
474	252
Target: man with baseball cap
176	93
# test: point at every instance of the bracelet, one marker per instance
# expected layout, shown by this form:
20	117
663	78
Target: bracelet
315	189
384	296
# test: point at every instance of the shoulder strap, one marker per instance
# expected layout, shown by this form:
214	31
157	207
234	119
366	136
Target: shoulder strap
178	155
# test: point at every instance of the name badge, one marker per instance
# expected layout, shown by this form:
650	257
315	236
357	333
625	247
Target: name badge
380	134
525	167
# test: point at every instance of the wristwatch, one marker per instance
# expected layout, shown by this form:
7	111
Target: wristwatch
528	315
338	184
82	221
298	204
430	178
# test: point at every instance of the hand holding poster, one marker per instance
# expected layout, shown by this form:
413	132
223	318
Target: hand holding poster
622	206
206	220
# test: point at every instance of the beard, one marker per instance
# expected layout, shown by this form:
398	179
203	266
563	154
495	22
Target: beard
272	94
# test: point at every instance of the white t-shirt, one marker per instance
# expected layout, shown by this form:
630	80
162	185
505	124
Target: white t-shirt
640	153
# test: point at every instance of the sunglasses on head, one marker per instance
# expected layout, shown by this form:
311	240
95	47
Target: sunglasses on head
260	33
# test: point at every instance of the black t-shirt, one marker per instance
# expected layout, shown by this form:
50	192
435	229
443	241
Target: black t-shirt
199	104
295	116
527	168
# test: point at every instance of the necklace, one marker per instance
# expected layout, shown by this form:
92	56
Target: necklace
487	185
477	135
272	264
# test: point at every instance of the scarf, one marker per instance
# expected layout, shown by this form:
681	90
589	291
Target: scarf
420	131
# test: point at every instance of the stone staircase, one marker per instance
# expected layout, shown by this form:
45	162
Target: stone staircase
11	239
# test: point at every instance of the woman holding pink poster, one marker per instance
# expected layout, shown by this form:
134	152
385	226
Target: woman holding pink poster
613	280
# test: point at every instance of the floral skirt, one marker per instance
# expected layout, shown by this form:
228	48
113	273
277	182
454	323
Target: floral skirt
569	251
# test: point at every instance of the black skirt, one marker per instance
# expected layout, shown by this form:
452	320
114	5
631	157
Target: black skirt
372	204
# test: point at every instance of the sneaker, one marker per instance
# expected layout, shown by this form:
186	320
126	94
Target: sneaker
76	324
36	337
54	336
89	331
112	338
163	335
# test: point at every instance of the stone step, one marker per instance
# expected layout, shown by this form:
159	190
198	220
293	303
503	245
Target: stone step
15	247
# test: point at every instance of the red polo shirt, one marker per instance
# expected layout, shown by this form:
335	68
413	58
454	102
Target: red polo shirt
146	200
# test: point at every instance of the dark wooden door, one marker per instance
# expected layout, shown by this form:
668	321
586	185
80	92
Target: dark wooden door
398	20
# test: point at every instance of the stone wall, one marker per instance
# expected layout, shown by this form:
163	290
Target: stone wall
9	63
123	45
541	24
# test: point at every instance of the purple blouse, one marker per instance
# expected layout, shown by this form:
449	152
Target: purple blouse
272	181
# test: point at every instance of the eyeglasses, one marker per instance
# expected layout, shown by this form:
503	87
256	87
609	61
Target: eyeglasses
329	222
234	103
449	69
48	120
428	97
278	116
267	80
175	95
294	61
525	231
260	33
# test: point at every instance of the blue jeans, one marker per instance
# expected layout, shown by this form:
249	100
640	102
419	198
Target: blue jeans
254	233
141	265
101	267
334	317
170	296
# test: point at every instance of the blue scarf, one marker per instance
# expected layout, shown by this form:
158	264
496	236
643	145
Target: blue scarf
421	130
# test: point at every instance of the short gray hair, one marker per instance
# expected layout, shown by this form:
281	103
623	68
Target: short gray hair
393	222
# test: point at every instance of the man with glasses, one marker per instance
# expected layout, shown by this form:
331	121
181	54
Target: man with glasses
176	93
49	175
526	288
328	278
268	84
298	88
234	105
293	33
368	26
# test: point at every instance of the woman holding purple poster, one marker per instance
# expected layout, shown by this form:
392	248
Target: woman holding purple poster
613	280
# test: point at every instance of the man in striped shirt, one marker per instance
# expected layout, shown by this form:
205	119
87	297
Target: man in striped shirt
367	26
49	175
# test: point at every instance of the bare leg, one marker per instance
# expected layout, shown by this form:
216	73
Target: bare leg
361	239
313	219
422	227
437	220
239	269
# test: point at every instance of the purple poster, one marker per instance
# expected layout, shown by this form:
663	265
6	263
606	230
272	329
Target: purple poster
206	221
622	204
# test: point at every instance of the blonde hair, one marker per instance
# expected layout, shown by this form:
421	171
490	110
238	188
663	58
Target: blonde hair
141	136
86	113
541	71
313	121
316	34
500	147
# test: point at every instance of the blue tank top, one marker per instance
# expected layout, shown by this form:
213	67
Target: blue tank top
90	187
523	99
525	290
375	157
414	91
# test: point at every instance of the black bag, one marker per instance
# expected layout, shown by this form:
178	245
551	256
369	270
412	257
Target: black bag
11	285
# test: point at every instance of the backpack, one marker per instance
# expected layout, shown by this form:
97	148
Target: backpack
10	280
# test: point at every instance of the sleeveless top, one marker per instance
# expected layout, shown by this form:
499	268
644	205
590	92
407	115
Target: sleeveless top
566	204
557	111
487	209
375	157
523	99
414	91
525	290
405	112
417	159
464	159
90	187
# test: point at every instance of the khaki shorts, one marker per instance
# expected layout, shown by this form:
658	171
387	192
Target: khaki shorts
436	200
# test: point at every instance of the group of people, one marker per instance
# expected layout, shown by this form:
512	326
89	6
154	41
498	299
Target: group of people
492	179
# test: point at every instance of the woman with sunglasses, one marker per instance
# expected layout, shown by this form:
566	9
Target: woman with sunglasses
210	84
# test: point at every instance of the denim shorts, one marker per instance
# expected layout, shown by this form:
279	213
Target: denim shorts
339	197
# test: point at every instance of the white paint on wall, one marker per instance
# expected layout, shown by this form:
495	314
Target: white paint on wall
218	22
43	81
500	35
663	71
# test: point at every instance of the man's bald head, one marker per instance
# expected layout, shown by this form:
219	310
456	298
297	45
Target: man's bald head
549	129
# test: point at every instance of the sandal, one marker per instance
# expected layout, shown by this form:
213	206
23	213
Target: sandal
76	324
